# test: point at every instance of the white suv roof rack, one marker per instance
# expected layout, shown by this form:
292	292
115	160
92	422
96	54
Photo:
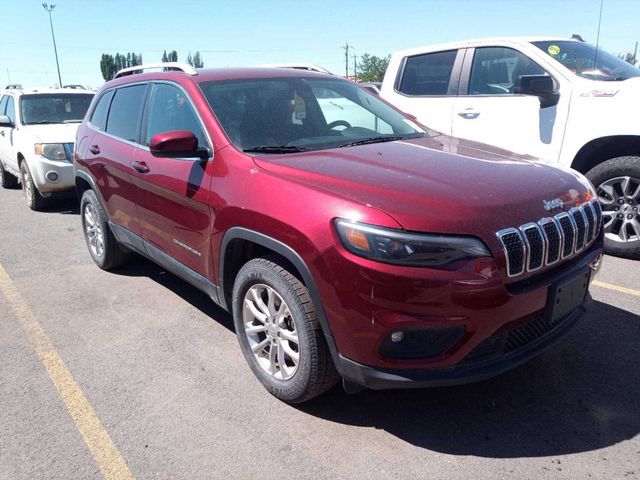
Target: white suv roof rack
179	66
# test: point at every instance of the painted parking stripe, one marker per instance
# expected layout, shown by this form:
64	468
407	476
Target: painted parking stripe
102	448
617	288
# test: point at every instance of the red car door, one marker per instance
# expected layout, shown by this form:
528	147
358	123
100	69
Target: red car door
173	201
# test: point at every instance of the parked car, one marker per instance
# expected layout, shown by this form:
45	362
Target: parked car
391	260
37	131
557	99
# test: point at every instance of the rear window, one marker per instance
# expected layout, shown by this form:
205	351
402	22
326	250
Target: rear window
125	112
54	108
99	115
428	74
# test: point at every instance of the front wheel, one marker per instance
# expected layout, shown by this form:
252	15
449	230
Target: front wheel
279	332
617	183
35	201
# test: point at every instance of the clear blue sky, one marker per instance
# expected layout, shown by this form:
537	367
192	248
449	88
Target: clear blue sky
250	32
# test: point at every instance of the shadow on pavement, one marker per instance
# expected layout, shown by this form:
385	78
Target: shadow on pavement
141	267
582	394
63	203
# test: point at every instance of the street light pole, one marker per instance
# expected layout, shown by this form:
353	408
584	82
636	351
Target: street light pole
49	8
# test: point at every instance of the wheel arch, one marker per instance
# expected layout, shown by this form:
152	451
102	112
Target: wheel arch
240	245
604	148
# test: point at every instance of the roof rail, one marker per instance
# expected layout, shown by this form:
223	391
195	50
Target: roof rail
179	66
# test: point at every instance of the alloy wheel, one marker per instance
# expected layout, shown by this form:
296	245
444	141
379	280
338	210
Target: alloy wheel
271	331
93	231
620	200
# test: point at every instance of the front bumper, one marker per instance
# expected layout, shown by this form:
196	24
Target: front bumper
485	361
51	176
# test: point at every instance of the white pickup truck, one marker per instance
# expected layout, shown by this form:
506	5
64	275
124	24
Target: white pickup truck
561	100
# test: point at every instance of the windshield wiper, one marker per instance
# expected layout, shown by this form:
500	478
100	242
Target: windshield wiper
275	149
41	122
365	141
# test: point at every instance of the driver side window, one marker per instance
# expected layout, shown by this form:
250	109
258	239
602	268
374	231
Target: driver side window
495	70
336	108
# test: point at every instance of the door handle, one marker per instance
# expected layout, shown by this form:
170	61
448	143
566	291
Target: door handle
95	149
140	166
469	113
2	133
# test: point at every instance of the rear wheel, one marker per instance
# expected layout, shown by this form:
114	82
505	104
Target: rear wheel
35	201
617	183
103	246
279	332
7	180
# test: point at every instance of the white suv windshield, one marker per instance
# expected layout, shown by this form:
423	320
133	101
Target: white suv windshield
53	108
287	115
587	62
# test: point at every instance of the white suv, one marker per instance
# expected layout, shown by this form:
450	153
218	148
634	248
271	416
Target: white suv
37	131
560	100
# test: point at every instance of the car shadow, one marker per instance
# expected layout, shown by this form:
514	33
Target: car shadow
582	394
141	267
65	204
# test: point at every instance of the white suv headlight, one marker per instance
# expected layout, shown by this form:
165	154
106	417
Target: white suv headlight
52	151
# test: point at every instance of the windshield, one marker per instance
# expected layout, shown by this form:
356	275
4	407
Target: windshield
583	60
54	108
292	114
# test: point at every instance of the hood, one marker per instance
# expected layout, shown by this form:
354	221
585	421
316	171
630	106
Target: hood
53	133
438	184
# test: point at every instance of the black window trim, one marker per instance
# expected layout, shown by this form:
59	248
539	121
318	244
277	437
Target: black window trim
454	78
465	77
145	116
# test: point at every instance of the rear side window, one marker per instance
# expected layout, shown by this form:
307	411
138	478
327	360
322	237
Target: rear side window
99	115
125	112
496	70
428	74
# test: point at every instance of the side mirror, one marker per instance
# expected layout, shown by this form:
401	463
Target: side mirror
5	121
175	144
541	86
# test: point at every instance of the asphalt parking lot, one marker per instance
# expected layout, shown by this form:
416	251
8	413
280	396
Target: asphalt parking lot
134	374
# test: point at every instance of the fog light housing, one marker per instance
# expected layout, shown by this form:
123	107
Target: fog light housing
52	176
420	343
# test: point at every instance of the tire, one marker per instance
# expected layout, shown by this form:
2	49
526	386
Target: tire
617	183
103	246
314	373
7	180
35	201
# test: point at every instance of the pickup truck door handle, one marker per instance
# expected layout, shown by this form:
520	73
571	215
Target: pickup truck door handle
95	149
140	166
469	113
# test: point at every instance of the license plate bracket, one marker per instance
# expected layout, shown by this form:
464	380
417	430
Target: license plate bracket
567	295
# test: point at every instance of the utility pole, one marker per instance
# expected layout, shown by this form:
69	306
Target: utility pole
346	58
355	68
49	8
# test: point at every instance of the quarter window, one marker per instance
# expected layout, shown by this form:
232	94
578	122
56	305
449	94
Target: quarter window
99	115
170	109
125	112
495	70
428	74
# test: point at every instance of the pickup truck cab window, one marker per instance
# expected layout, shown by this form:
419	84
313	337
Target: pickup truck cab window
428	74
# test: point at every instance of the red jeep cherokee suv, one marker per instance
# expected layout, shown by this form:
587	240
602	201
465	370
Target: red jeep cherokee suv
347	240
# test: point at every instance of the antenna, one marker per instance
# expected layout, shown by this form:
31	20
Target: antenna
595	60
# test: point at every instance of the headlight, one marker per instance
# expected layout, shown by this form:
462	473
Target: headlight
411	249
52	151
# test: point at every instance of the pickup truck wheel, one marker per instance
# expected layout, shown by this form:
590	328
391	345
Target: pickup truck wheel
279	332
35	201
6	179
103	246
617	183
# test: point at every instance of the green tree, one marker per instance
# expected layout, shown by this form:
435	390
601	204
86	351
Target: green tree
629	58
372	68
172	56
107	67
110	64
195	61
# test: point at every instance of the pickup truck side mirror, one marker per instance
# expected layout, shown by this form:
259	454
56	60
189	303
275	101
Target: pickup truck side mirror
541	86
5	121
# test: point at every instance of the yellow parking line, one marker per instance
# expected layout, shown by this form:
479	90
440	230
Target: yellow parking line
105	453
617	288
